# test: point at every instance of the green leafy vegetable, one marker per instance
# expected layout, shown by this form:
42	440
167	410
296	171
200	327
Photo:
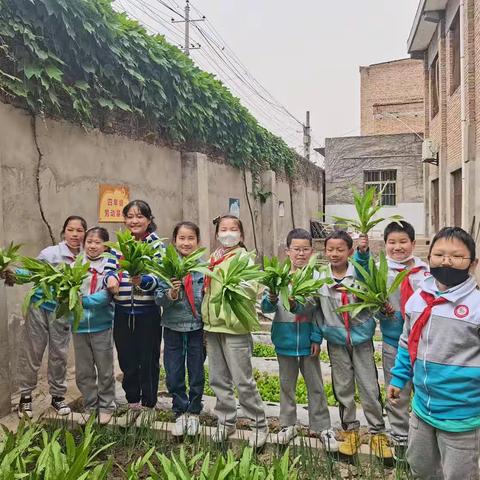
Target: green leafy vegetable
174	266
136	255
235	296
8	256
372	291
367	206
304	285
277	275
60	284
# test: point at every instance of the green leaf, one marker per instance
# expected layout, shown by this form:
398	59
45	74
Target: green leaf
54	72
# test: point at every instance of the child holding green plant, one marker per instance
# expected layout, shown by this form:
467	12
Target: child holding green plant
42	327
136	328
229	339
183	331
399	245
93	341
350	347
297	342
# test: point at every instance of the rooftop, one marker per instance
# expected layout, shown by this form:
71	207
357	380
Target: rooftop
425	24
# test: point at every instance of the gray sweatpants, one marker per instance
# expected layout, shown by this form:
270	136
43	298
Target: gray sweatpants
399	414
350	366
230	364
94	369
42	328
439	455
318	415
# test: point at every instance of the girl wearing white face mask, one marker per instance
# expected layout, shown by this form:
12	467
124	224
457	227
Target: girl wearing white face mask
229	346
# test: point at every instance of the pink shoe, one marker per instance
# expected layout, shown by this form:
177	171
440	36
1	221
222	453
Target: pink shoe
135	406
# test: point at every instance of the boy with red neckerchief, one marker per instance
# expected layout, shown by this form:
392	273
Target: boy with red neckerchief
350	346
399	245
439	351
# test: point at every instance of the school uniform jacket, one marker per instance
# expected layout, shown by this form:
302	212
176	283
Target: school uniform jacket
446	372
292	332
96	301
392	326
335	327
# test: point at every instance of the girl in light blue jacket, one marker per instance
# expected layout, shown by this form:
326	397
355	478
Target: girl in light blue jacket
93	340
183	335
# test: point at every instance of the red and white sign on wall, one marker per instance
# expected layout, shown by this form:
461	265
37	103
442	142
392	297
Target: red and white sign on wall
111	200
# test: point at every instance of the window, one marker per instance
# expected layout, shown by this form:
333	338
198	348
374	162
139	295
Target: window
455	54
434	86
384	181
457	197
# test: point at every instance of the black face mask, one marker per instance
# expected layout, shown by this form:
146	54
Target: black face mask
449	276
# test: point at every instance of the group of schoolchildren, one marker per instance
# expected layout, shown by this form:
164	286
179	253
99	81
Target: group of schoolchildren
430	329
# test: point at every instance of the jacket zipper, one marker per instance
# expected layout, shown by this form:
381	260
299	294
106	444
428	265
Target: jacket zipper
425	380
298	337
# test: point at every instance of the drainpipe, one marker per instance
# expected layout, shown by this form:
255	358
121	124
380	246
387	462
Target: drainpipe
463	121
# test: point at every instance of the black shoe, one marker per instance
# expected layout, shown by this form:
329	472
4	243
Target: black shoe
58	403
25	407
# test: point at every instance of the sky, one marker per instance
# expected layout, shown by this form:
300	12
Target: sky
284	57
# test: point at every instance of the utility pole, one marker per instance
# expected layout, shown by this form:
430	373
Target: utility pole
187	20
307	139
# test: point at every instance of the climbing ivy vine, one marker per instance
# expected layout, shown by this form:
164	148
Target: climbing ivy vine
83	61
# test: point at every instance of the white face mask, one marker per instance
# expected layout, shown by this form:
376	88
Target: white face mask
405	260
229	238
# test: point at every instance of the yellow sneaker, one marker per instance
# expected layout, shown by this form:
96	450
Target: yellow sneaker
350	444
380	447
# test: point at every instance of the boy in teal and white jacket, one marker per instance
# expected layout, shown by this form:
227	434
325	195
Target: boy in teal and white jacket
439	351
297	341
350	347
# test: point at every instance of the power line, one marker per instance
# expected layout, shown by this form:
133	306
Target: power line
222	59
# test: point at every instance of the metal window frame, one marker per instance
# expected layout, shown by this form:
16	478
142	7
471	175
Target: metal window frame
384	179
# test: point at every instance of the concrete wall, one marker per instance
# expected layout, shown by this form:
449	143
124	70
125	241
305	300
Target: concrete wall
347	158
52	169
388	90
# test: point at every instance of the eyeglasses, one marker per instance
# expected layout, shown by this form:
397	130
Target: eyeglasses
455	260
296	251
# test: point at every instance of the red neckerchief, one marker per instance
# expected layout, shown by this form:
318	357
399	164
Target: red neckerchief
211	266
345	315
416	332
188	285
406	290
93	282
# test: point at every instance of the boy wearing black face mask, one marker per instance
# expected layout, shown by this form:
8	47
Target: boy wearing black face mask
440	351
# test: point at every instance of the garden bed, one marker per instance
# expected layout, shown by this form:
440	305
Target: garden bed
143	448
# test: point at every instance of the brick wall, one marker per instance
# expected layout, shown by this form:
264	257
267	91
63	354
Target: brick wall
388	90
445	128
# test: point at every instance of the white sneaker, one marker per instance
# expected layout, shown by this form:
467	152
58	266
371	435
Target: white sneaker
258	438
222	433
286	434
104	417
329	441
180	426
193	425
137	406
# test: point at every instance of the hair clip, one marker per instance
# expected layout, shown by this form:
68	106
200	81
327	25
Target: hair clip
216	219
